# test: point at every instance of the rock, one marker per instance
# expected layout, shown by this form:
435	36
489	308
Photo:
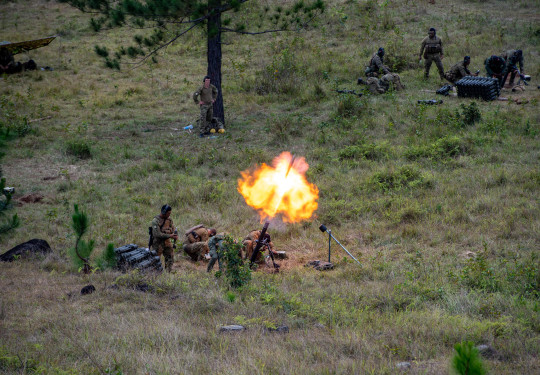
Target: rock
488	352
31	198
281	255
232	328
89	289
31	247
403	365
320	265
281	329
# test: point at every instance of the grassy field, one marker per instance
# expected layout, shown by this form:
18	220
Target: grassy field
443	214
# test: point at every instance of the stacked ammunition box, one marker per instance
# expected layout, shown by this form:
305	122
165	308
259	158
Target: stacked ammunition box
478	87
133	256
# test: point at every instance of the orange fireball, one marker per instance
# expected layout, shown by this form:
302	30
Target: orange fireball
280	189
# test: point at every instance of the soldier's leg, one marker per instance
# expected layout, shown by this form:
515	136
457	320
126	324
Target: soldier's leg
213	259
168	254
202	119
427	65
209	117
248	249
438	62
373	86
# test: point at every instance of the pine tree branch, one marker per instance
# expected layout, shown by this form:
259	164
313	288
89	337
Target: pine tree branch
138	63
224	29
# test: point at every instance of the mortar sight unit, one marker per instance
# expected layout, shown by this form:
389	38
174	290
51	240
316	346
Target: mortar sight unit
478	87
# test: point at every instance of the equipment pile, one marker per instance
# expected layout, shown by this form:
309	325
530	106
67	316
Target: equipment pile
133	256
478	87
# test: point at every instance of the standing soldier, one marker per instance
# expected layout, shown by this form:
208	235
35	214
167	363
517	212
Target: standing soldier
162	232
432	50
459	71
214	244
196	241
376	64
205	97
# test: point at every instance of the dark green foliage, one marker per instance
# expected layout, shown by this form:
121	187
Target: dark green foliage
79	148
370	151
479	274
470	114
406	177
107	260
467	360
450	146
101	51
237	273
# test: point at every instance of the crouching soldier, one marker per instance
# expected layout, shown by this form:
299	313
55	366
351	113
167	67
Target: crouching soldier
380	86
250	242
215	244
162	232
196	241
459	70
376	65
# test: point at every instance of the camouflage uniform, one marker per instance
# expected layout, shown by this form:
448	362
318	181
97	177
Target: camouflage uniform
513	60
433	52
196	242
380	86
249	244
214	244
207	96
161	232
457	72
376	65
496	68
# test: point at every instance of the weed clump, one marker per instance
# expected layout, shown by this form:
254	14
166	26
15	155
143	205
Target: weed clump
79	148
406	177
470	114
369	151
443	148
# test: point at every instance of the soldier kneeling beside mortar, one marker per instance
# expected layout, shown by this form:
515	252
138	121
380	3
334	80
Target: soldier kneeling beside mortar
196	241
250	242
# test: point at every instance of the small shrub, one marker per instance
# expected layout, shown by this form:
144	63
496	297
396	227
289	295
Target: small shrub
79	148
467	360
406	177
107	260
236	272
470	114
82	250
479	274
370	151
443	148
348	106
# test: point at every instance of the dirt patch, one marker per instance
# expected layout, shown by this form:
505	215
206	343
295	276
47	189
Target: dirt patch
31	198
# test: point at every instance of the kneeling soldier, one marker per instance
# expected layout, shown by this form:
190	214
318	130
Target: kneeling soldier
196	241
251	241
458	71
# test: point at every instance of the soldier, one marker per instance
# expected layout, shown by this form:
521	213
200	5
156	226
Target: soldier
250	242
215	245
162	232
206	96
380	86
496	68
459	70
513	58
196	241
376	64
433	53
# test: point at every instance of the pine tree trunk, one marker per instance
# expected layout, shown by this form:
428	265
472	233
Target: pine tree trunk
213	55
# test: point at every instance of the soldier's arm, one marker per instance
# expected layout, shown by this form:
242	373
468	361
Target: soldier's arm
422	47
157	232
197	95
212	244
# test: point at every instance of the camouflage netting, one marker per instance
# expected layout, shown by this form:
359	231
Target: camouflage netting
133	256
478	87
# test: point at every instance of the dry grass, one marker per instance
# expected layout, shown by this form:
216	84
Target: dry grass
416	294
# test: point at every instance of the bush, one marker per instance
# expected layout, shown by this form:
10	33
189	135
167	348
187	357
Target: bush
107	260
237	273
443	148
79	148
470	114
406	177
370	151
